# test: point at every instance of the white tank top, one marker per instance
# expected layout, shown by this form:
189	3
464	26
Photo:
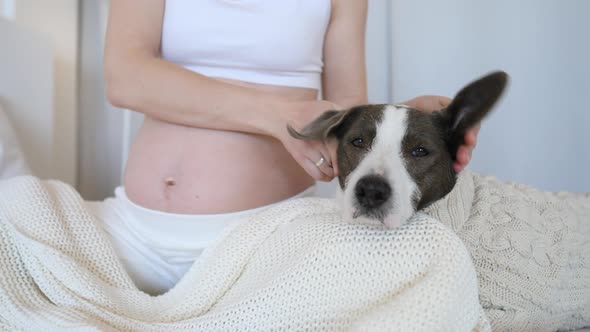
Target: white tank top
277	42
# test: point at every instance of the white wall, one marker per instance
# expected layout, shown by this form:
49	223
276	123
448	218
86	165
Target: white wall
26	94
540	133
378	52
53	23
101	129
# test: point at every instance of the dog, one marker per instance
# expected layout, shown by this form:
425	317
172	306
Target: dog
395	160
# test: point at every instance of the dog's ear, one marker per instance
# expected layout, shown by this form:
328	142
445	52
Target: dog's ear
320	128
471	105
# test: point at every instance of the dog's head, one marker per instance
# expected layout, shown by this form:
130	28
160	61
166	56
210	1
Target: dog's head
395	160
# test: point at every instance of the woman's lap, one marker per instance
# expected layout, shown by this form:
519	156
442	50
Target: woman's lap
157	248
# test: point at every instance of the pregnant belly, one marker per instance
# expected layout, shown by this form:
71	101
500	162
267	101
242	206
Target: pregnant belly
200	171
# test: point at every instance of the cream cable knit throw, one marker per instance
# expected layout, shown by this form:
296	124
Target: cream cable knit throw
294	267
531	251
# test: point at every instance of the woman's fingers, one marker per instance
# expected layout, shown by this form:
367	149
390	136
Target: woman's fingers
314	171
332	146
471	136
428	103
465	151
324	161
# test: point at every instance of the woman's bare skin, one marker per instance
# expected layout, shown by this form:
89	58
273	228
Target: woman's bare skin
190	170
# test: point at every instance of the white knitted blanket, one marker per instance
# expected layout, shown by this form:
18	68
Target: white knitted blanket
531	251
293	267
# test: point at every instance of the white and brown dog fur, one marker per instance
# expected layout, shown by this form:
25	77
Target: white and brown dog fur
394	160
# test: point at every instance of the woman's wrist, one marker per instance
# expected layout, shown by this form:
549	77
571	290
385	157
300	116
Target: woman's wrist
294	113
273	120
285	112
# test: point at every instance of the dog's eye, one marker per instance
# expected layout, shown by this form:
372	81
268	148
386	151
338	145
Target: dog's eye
419	152
358	142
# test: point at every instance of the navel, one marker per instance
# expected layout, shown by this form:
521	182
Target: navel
169	182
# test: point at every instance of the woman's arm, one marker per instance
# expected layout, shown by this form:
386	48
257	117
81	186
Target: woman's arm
344	82
344	75
138	79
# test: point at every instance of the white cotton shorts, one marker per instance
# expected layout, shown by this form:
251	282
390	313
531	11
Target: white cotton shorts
157	248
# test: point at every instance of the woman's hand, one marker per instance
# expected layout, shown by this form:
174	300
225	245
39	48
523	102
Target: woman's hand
317	158
435	103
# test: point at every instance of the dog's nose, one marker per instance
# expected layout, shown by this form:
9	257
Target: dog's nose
372	191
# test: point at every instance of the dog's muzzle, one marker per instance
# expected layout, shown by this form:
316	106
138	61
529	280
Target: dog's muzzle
372	191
